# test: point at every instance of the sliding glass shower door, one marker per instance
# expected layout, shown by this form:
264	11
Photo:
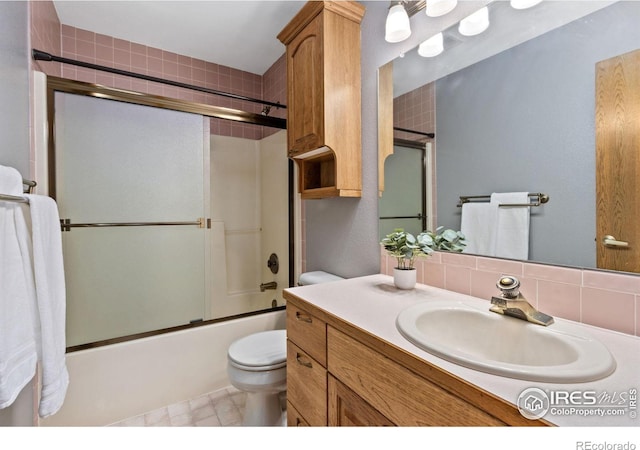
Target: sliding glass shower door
131	184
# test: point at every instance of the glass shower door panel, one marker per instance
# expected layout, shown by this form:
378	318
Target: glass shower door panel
402	196
123	163
124	281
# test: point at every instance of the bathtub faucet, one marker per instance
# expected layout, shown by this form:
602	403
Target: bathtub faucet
269	285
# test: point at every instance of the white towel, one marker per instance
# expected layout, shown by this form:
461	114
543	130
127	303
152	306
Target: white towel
512	226
51	301
18	349
478	224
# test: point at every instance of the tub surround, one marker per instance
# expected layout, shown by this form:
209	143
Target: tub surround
371	304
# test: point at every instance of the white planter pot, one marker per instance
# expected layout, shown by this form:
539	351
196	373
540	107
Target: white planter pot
404	278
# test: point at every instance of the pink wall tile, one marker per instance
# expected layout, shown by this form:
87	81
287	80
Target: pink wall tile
501	266
459	260
483	284
553	273
433	274
607	309
420	268
458	279
614	281
559	299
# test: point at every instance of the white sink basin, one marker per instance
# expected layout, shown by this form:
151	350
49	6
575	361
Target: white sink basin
489	342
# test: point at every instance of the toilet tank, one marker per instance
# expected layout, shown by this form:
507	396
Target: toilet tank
317	277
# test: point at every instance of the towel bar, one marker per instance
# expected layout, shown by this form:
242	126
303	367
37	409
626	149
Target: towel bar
17	198
538	199
67	225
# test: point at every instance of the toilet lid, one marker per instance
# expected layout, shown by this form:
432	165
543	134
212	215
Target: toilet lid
263	349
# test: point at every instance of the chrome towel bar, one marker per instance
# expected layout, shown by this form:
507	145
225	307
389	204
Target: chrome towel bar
67	225
537	200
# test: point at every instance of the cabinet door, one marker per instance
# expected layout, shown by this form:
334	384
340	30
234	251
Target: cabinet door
305	102
347	409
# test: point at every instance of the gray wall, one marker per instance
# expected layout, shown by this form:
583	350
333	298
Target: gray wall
342	233
523	120
14	86
14	135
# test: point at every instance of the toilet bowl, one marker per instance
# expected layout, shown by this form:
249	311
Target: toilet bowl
257	366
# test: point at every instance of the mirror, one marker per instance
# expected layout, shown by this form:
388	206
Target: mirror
516	112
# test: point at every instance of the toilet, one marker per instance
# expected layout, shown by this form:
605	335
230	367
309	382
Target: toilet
257	365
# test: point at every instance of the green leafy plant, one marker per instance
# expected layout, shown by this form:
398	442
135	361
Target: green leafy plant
406	247
446	239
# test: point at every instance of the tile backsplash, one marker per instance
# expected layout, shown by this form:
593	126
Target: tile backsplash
603	299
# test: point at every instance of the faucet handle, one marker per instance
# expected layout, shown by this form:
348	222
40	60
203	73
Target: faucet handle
509	285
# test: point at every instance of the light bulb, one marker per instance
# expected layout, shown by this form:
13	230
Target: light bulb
437	8
476	23
397	28
524	4
432	46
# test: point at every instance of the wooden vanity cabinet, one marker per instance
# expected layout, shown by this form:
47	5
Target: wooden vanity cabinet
324	97
340	375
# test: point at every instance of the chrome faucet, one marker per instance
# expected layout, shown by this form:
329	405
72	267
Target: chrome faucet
512	303
269	285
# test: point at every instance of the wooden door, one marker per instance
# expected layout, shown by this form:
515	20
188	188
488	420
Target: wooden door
618	162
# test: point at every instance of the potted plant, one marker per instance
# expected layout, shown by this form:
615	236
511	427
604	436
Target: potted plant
406	248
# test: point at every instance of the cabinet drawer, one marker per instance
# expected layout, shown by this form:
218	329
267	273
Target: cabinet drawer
294	418
307	332
306	385
399	394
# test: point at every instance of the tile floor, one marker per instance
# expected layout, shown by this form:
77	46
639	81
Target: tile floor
215	409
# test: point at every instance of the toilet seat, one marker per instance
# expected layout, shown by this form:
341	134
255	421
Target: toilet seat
266	350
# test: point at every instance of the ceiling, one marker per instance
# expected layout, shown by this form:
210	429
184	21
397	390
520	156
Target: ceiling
239	34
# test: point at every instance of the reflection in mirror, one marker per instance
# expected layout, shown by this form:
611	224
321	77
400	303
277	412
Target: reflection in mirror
523	119
405	201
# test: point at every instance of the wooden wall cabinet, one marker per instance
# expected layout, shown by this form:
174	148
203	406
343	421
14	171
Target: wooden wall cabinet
339	375
324	98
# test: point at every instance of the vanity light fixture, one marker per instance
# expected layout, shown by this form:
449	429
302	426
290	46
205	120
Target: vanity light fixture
524	4
475	24
437	8
397	27
432	46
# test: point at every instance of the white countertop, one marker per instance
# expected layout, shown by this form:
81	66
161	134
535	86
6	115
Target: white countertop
373	302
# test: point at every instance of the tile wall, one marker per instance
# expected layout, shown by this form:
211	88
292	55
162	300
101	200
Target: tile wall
49	35
604	299
415	110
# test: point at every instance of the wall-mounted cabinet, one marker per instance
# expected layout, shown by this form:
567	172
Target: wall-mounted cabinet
323	97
